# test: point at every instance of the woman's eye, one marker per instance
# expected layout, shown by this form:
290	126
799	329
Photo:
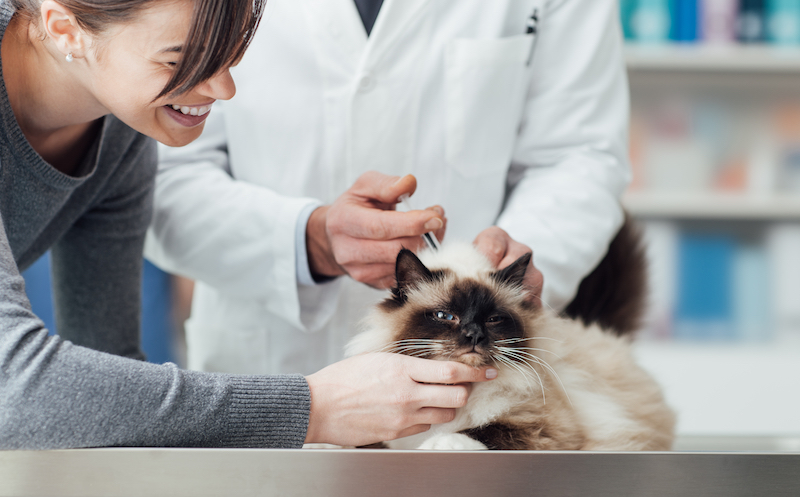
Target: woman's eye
444	316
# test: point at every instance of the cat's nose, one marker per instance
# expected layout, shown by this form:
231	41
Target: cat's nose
475	333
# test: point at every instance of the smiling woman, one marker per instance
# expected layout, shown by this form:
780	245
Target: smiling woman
154	64
85	87
210	44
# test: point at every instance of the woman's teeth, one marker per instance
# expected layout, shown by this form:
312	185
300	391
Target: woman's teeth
193	111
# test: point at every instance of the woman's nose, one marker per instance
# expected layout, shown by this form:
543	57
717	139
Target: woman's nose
219	86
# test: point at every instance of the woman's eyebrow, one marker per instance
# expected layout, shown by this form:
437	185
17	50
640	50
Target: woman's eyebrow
176	49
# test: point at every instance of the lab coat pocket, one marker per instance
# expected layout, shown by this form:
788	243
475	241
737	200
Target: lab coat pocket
485	85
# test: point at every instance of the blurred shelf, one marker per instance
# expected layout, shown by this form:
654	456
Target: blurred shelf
713	206
712	58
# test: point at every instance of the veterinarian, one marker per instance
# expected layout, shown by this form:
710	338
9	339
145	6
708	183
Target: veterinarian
86	88
511	115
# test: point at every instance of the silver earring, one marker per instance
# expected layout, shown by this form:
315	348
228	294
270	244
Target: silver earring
69	57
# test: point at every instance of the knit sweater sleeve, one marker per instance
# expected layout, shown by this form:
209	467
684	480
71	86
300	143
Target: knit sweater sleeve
97	263
55	393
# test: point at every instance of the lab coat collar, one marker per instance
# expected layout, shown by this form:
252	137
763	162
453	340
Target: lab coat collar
393	20
338	22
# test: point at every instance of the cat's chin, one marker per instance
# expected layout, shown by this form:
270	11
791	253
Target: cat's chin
473	359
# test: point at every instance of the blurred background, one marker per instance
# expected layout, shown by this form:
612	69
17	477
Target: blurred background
715	147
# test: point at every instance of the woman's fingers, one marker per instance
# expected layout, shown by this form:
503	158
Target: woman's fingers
378	396
448	373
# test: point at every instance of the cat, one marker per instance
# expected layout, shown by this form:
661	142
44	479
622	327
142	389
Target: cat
563	384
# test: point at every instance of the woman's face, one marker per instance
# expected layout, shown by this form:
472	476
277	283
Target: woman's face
133	63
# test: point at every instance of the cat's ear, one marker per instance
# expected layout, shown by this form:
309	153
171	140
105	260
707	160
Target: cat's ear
514	273
410	271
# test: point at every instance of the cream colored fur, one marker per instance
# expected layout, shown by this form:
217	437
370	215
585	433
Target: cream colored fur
593	396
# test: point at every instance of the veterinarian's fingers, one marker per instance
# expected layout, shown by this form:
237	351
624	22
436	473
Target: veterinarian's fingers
367	222
373	275
446	373
534	281
502	251
440	211
353	252
385	283
493	243
514	250
384	188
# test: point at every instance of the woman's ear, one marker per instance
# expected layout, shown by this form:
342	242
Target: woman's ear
59	24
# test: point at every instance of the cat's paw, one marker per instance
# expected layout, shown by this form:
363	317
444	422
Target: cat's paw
451	441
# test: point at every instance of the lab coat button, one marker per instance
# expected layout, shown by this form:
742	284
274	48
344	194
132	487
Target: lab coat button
366	83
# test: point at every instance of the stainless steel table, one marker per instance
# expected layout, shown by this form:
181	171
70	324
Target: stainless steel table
246	472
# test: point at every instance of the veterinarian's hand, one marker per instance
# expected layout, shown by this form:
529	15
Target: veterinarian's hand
502	250
360	234
379	397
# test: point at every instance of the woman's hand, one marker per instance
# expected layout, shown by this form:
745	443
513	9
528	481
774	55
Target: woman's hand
378	397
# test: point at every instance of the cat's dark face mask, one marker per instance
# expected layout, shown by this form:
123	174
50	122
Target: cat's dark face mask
460	319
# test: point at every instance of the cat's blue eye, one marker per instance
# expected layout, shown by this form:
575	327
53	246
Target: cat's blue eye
445	316
495	319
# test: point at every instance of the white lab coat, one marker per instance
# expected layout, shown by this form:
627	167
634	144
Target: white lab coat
441	90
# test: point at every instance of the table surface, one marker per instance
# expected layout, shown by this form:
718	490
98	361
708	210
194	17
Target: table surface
708	466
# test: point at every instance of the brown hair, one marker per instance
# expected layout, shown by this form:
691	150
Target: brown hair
221	32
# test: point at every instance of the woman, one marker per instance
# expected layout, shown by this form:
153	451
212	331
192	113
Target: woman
83	82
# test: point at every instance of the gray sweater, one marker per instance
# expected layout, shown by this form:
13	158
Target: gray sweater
87	387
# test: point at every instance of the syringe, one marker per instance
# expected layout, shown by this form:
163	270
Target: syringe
430	237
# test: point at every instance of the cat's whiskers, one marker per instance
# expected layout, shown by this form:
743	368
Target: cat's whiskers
518	367
516	340
429	346
421	353
521	365
533	349
415	351
546	305
524	357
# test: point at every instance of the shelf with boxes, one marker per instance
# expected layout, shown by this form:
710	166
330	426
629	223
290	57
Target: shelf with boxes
715	149
711	21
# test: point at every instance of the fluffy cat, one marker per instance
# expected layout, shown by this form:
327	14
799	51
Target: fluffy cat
562	385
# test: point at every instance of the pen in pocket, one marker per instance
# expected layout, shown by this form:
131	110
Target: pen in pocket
532	29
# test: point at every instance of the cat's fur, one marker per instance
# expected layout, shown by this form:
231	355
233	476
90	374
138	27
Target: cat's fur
562	385
614	294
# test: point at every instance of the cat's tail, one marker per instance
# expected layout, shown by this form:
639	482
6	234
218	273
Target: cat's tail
614	294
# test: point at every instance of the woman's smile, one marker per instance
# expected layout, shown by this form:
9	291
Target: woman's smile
188	115
193	110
